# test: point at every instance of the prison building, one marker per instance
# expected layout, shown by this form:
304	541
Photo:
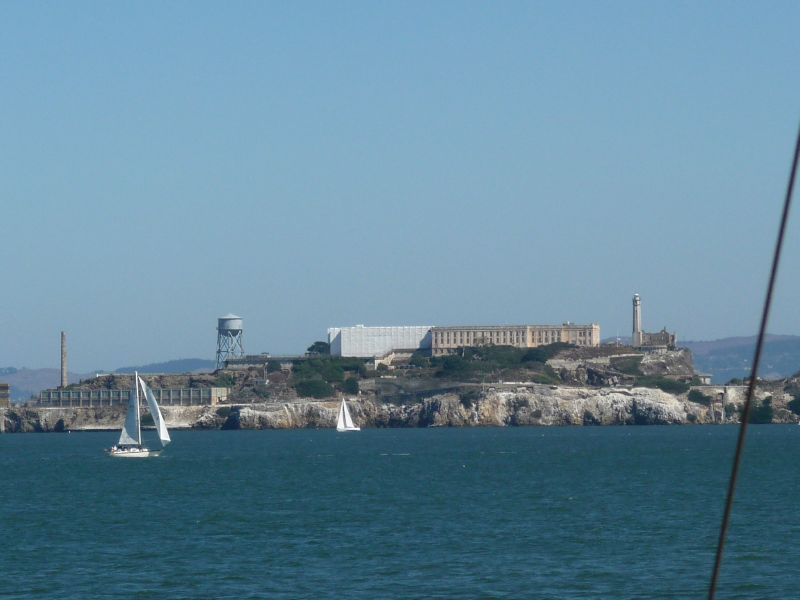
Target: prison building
370	342
445	340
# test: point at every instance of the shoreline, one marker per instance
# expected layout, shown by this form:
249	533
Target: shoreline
539	405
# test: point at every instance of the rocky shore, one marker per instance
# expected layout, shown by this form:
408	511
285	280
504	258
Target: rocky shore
536	405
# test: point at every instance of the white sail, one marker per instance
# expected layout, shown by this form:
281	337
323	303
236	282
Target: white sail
158	418
131	430
340	426
348	422
344	422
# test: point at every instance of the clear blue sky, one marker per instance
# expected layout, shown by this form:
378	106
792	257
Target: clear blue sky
306	165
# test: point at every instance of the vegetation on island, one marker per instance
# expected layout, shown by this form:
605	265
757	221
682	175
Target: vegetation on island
631	365
319	375
792	388
319	347
322	377
699	397
492	363
794	405
761	412
225	380
670	386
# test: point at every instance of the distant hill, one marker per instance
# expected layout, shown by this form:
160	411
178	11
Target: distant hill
182	365
732	358
29	382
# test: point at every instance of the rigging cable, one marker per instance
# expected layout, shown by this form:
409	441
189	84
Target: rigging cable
723	533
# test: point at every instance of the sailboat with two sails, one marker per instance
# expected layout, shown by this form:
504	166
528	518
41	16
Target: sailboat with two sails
130	440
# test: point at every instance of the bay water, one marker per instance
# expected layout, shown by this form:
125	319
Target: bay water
592	512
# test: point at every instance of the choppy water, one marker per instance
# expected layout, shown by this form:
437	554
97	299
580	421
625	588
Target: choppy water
614	512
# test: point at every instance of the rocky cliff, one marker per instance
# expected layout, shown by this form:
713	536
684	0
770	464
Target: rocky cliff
530	405
26	420
537	405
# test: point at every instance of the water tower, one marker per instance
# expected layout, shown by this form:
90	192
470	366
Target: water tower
229	338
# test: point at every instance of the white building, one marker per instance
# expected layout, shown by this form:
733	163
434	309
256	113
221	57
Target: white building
370	342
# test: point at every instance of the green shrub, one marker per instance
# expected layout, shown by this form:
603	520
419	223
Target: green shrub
546	378
315	388
455	365
350	386
468	397
761	412
319	348
542	354
225	380
699	397
319	368
261	390
537	355
628	365
419	359
794	406
499	357
480	363
349	365
662	383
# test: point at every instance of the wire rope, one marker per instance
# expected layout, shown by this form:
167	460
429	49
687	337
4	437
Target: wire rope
723	532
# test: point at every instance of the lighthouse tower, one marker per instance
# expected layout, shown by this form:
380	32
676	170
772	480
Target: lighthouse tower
636	338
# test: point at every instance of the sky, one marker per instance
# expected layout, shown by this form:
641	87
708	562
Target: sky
314	164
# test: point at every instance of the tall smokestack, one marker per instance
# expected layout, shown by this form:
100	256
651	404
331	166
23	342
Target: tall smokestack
63	359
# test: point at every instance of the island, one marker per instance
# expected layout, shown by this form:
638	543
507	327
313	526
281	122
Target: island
556	384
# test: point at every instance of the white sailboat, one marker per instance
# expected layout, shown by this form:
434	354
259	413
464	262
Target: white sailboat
345	423
130	440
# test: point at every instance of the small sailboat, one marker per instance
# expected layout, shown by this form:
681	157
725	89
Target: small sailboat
345	423
130	440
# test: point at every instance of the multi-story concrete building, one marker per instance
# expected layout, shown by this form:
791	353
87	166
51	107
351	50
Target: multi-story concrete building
371	342
5	395
445	340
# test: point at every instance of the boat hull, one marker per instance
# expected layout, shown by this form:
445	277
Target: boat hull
136	453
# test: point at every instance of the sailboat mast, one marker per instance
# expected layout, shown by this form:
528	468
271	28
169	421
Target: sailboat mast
138	413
